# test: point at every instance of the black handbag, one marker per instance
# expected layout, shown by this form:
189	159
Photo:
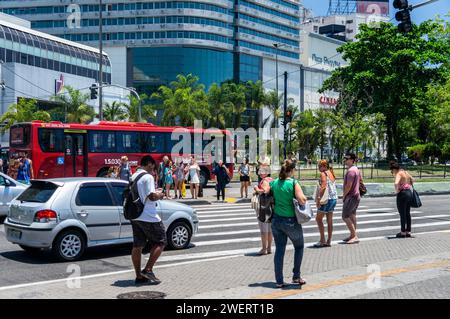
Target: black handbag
415	200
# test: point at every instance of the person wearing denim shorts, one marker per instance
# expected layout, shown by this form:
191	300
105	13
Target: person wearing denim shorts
327	182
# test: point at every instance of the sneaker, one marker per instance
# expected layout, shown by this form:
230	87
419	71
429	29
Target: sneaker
151	277
141	281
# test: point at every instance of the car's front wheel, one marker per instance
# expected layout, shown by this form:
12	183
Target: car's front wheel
69	245
179	235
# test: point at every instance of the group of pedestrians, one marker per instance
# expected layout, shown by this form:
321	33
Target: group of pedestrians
21	168
284	225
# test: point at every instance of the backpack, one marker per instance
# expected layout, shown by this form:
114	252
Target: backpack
265	211
132	205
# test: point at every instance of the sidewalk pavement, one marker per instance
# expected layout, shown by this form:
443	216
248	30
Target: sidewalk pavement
409	268
373	190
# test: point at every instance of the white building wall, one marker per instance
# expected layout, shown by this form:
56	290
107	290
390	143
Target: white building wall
118	58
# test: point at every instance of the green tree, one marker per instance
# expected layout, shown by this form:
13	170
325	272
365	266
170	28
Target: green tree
306	138
235	103
132	108
74	105
183	102
388	73
25	110
114	111
216	103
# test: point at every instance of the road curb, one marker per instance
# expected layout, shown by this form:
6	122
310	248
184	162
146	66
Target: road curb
194	202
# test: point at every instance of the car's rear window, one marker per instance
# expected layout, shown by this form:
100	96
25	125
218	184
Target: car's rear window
39	192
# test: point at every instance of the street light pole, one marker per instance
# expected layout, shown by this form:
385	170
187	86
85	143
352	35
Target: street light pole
100	37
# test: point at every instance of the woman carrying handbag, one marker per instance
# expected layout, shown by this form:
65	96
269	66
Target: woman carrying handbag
403	183
284	222
326	198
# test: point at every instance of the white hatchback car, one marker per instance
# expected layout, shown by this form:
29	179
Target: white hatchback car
67	215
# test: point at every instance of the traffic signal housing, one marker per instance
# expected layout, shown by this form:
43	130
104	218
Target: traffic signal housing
289	116
94	91
403	16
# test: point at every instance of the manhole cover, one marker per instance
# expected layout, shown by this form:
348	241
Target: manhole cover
142	295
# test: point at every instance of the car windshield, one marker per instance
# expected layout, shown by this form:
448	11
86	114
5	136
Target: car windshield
38	192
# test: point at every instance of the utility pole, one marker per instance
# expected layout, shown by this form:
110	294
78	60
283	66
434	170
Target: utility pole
100	73
284	114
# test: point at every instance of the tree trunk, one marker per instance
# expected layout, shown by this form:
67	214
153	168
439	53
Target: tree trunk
389	137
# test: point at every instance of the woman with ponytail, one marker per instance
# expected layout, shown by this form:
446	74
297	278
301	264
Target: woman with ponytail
284	222
326	188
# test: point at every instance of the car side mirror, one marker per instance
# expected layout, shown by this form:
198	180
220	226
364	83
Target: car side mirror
7	183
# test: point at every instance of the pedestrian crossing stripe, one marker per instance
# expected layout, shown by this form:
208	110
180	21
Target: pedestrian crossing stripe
366	222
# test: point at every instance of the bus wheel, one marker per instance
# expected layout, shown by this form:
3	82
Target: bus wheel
203	179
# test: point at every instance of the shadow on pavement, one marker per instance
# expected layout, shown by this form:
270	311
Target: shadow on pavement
272	285
130	283
45	256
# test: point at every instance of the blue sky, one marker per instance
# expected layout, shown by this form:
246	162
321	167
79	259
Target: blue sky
441	7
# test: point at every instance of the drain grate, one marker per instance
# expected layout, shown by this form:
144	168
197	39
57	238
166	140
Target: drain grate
142	295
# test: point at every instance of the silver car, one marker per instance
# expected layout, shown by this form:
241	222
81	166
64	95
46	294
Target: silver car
68	215
9	189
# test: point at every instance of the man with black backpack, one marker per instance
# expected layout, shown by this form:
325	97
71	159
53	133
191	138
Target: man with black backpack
140	208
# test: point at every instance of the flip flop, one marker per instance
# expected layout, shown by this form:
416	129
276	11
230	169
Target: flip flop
353	241
319	245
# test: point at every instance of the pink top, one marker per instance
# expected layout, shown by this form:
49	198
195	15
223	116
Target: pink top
267	179
352	177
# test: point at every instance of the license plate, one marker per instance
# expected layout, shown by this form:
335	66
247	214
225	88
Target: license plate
15	234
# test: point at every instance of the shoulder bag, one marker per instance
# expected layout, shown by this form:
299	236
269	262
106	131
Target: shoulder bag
303	213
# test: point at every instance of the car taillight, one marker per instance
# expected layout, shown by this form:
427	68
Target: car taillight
45	216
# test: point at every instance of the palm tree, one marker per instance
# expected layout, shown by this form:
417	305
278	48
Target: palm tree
25	110
273	103
255	96
182	105
188	81
132	109
75	105
114	111
236	103
216	102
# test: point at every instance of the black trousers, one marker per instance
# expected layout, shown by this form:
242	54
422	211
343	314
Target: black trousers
404	199
220	189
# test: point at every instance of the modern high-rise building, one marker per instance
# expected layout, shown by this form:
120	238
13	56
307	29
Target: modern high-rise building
150	42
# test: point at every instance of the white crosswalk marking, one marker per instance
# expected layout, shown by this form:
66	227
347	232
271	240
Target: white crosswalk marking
244	218
338	217
230	226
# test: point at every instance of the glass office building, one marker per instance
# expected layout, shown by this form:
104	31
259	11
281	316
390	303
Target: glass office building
150	42
25	46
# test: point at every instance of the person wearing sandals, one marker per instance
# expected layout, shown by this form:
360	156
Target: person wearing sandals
179	178
403	183
351	197
284	222
264	228
327	184
244	177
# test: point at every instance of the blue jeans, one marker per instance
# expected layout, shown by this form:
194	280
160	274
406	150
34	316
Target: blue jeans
282	229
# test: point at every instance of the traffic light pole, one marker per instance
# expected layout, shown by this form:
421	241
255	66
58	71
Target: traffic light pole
422	4
100	75
284	114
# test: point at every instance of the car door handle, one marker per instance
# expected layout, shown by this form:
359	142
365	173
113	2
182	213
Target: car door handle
83	213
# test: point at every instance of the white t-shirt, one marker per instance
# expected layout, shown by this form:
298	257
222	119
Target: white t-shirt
146	186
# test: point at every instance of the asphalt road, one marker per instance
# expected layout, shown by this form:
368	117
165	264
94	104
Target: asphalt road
224	229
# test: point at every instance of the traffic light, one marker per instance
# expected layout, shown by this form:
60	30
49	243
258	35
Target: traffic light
289	116
94	91
403	16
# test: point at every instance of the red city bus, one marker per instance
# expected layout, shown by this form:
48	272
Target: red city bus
73	150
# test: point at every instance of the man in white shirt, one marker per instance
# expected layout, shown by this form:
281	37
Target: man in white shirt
148	227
